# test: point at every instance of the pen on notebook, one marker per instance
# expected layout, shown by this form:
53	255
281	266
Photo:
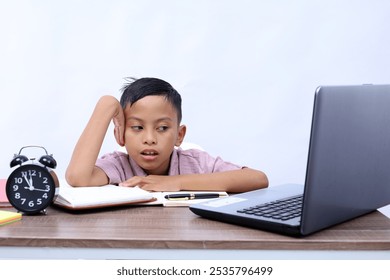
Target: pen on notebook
189	196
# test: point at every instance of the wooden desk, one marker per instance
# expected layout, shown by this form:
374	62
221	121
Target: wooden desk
167	233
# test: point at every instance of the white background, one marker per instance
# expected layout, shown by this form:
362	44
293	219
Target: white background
246	70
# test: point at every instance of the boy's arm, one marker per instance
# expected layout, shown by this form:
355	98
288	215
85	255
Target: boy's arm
242	180
81	170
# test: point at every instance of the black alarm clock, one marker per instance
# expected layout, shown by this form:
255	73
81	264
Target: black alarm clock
32	186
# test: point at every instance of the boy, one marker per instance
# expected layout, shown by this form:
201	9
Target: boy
147	123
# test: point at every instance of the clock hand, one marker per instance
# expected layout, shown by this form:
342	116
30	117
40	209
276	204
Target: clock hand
35	189
31	181
28	183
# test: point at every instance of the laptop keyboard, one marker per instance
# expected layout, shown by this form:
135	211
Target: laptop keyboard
284	209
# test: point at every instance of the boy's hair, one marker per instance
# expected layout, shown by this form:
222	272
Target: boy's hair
140	88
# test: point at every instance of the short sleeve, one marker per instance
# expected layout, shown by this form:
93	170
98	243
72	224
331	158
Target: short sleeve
198	162
118	167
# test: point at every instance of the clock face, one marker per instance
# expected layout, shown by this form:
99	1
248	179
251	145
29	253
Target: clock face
30	188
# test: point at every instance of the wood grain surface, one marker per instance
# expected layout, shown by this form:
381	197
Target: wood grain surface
177	227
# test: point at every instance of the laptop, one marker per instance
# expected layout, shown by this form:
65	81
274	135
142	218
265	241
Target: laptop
347	173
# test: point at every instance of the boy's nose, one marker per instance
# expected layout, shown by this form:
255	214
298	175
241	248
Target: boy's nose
150	138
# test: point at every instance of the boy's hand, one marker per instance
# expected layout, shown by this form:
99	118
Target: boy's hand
157	183
110	106
119	125
119	128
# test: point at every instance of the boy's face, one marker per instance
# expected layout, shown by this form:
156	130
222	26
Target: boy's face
152	131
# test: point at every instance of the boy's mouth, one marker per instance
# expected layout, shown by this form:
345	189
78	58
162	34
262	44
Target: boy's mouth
149	153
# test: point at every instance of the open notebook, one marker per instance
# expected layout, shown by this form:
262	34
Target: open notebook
81	198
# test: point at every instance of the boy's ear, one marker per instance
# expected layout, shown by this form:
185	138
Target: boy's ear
180	135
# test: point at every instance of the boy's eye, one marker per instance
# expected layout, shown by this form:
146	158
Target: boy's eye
136	127
162	128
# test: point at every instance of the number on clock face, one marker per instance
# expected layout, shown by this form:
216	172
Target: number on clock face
30	188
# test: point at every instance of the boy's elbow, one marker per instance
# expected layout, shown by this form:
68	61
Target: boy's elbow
249	180
259	179
264	180
70	179
73	179
80	179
